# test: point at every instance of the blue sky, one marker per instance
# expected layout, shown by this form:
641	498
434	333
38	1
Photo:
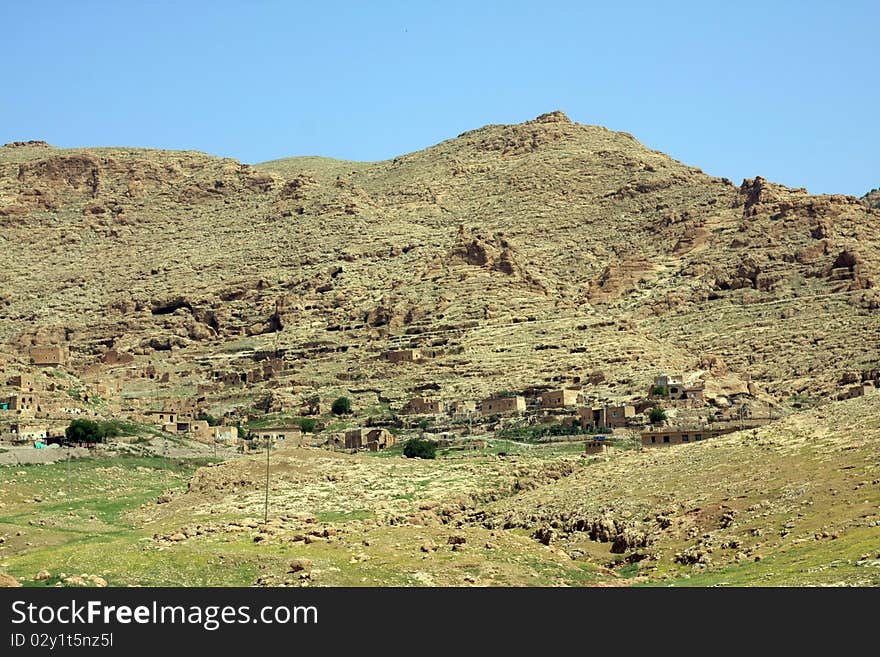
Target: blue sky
787	90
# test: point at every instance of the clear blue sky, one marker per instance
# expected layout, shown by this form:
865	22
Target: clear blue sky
788	90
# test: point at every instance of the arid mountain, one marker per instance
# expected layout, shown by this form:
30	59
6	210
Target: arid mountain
514	255
515	258
872	198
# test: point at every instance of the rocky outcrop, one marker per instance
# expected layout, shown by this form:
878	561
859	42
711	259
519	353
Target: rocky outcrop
872	199
491	252
298	188
617	279
851	266
78	172
8	581
23	144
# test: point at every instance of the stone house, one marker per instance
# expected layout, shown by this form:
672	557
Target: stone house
563	398
372	439
613	417
672	383
403	355
197	429
162	418
617	416
503	405
288	434
225	433
108	388
694	392
114	357
24	403
49	356
463	407
24	432
598	445
423	406
229	378
859	390
24	382
667	436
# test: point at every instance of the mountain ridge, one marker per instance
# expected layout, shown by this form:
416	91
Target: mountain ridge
465	247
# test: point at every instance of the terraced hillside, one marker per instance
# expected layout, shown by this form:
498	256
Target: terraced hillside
516	258
520	255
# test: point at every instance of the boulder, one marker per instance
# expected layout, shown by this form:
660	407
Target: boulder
8	581
298	565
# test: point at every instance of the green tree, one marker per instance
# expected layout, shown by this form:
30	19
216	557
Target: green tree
657	415
341	406
308	425
418	448
113	428
84	431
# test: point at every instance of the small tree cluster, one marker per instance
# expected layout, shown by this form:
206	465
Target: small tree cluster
308	425
657	415
341	406
420	448
85	431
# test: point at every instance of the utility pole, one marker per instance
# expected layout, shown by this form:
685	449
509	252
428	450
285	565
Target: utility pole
266	511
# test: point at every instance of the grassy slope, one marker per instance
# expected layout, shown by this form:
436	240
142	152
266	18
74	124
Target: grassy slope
801	498
803	494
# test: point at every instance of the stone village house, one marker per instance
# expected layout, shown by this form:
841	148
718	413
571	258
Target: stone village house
49	356
613	417
289	434
424	406
564	398
503	405
371	439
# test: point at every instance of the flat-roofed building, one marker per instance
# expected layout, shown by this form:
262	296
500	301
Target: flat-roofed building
503	405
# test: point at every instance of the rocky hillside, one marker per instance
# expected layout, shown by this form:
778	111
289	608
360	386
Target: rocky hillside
872	198
515	255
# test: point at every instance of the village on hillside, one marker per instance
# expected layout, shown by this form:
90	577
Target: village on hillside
41	398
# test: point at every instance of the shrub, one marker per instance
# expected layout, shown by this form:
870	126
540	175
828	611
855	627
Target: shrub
113	428
308	425
84	431
210	419
418	448
660	390
341	406
657	415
